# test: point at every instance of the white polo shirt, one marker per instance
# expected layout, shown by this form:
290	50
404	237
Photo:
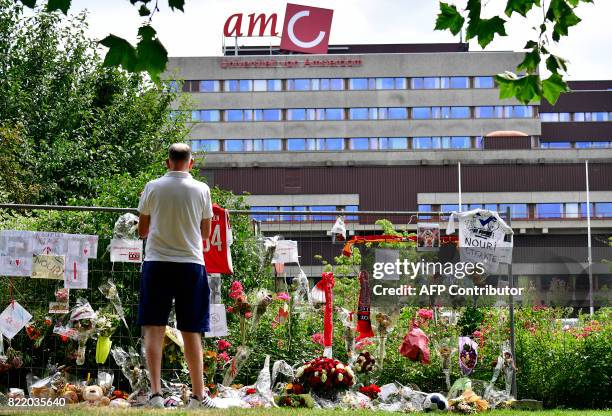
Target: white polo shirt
177	204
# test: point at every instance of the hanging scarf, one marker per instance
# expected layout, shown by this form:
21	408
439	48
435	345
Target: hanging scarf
364	324
322	292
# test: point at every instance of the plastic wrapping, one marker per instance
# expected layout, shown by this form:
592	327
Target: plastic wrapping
126	227
468	355
301	291
394	397
263	299
349	325
82	318
281	367
242	355
383	328
109	290
445	348
415	346
133	369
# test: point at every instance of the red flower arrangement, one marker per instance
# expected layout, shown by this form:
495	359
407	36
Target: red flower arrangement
251	391
371	391
325	375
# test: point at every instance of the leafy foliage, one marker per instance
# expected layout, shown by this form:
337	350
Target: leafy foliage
528	86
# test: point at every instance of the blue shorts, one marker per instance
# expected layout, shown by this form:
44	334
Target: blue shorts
186	283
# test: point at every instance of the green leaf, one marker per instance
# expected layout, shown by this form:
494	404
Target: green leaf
563	17
473	7
120	53
526	89
552	87
449	18
520	6
531	61
152	57
146	32
555	63
144	10
176	4
29	3
63	5
487	28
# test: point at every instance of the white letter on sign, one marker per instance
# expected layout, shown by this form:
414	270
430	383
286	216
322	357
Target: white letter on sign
294	39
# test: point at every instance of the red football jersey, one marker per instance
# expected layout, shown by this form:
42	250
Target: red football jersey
217	252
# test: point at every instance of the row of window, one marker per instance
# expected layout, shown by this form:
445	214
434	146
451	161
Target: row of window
579	116
336	144
305	213
544	210
336	84
361	113
575	145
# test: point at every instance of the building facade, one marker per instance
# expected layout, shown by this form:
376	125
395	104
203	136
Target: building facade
384	127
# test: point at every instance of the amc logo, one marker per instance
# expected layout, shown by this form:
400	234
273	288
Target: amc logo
305	29
134	255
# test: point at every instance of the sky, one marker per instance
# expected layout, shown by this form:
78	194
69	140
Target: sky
198	31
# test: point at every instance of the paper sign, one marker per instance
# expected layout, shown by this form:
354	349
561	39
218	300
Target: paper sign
75	276
48	267
127	251
428	237
218	321
15	266
58	307
13	319
286	252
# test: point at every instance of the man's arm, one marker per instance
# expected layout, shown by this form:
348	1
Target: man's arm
143	225
205	228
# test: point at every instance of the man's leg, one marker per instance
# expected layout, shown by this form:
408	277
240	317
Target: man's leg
193	356
153	341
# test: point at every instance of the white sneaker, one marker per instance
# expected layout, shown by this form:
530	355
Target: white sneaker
205	403
156	401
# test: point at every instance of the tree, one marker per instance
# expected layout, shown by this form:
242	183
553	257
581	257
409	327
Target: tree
79	119
557	18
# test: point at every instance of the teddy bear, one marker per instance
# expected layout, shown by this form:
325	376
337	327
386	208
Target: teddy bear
95	396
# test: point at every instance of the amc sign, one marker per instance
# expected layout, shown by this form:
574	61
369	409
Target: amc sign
305	29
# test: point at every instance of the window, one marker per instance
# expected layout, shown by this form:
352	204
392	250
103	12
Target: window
431	83
603	209
300	145
484	82
549	210
358	83
275	85
564	117
397	113
351	208
358	113
234	115
209	86
260	85
459	82
334	114
296	114
272	145
299	84
359	143
549	116
460	112
334	144
207	145
516	210
385	83
210	115
264	217
234	146
478	142
424	208
460	142
421	113
571	210
518	111
392	143
421	143
600	116
235	85
417	83
555	145
320	209
269	114
489	112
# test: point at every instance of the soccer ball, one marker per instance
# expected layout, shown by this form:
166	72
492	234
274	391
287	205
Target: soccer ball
435	402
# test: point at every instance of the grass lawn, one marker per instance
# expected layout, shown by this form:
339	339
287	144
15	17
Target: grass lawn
91	411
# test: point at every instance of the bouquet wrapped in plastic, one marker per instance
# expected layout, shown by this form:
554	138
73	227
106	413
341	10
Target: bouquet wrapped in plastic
109	290
126	227
82	319
242	355
133	369
415	346
325	377
468	355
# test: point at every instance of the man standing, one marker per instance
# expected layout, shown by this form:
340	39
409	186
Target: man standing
175	216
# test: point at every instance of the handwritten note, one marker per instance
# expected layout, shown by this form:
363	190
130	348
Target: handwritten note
48	267
13	319
75	276
286	252
127	251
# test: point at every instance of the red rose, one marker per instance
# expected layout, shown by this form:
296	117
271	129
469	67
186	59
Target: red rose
251	391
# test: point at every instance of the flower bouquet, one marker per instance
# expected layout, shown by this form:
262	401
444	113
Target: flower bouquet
372	391
38	328
325	377
106	323
468	355
445	351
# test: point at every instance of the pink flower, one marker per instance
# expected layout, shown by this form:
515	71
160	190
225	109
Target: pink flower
426	314
236	290
223	345
230	309
248	315
282	296
363	344
317	338
223	356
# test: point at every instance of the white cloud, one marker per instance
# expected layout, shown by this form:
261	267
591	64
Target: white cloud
198	31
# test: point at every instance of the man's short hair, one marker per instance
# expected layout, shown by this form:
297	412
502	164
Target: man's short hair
179	152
